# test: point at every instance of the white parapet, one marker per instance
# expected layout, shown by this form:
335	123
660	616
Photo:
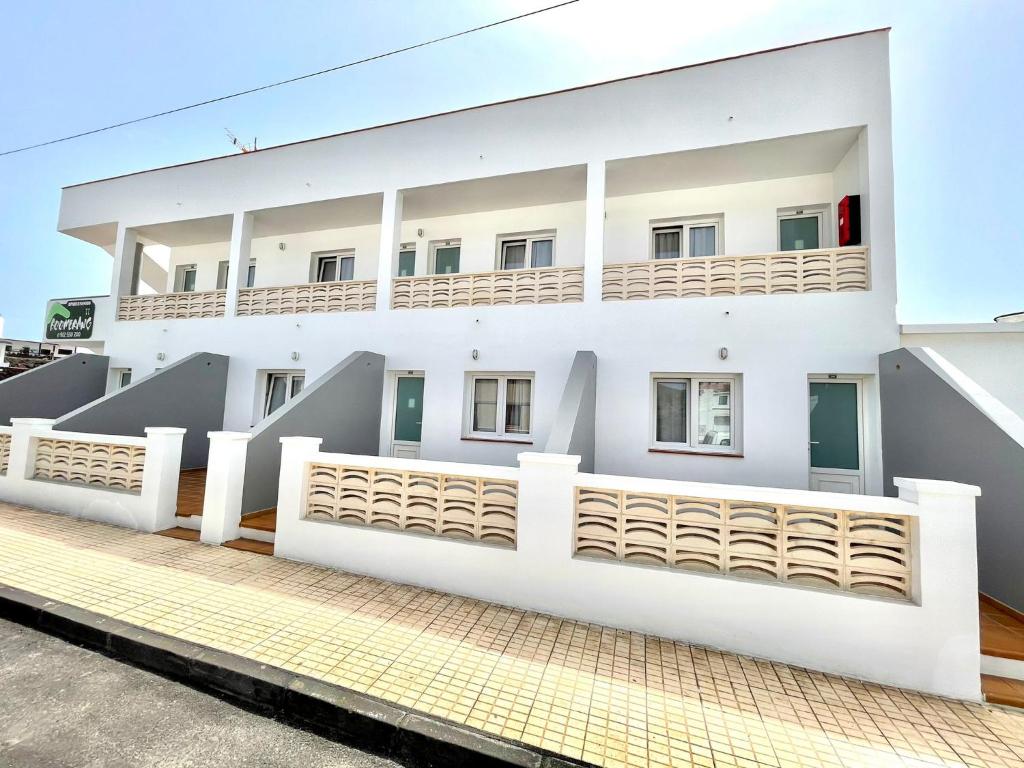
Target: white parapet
119	479
225	477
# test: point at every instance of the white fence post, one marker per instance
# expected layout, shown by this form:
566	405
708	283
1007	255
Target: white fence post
544	520
20	460
160	478
295	452
225	477
946	570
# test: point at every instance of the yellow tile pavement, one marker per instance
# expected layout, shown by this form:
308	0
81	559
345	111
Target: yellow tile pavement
611	697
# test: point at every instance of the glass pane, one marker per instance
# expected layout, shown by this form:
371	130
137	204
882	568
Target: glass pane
348	268
485	405
517	406
406	263
250	277
542	254
714	415
798	234
670	418
409	409
298	382
667	244
702	241
513	255
276	390
834	440
188	282
222	276
446	260
328	270
126	378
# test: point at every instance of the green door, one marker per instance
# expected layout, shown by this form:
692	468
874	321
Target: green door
446	260
409	409
835	413
798	233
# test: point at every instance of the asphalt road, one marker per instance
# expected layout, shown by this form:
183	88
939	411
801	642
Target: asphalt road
61	705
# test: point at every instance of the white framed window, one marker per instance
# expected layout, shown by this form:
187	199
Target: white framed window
695	412
526	251
279	387
499	406
407	260
250	274
804	228
445	257
122	377
690	237
222	275
332	266
185	278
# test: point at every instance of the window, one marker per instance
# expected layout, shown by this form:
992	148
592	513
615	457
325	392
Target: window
407	260
802	229
281	386
444	257
520	252
250	274
185	278
500	406
686	238
695	412
123	377
332	267
222	275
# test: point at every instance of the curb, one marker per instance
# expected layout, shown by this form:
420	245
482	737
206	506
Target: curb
355	719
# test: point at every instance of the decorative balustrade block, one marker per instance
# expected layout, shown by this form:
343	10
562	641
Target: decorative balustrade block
172	306
5	451
310	298
860	552
826	271
451	506
116	467
550	285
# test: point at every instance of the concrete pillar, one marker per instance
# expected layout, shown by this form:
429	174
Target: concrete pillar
121	275
295	452
593	248
544	526
390	241
160	478
238	258
21	458
225	477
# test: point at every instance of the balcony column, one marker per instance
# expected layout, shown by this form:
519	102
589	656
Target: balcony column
238	258
390	240
124	262
593	248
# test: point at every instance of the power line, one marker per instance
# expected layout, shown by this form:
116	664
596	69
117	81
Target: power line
290	80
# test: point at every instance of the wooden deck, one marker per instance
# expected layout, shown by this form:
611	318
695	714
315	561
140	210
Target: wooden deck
1002	636
185	534
191	489
264	520
251	545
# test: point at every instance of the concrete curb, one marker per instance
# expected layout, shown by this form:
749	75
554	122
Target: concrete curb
355	719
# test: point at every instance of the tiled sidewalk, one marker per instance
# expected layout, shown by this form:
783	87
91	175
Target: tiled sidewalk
611	697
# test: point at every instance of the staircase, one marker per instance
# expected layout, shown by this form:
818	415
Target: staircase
1002	653
256	532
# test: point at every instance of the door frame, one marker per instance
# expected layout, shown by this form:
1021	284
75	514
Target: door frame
861	474
391	409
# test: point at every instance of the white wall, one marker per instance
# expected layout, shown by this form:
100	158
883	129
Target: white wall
206	257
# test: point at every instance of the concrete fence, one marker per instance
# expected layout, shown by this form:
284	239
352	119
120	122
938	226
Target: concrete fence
119	479
874	588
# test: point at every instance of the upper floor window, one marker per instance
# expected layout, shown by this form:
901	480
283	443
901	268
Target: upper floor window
185	278
334	266
802	229
250	274
500	405
407	260
280	387
695	412
445	256
692	237
526	251
222	275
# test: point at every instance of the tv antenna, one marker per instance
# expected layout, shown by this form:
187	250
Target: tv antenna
239	144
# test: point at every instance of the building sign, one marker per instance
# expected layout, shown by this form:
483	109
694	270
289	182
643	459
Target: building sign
70	319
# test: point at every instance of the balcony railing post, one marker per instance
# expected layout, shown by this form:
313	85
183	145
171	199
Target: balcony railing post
390	239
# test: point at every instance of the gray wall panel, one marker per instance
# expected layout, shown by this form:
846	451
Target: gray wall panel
51	390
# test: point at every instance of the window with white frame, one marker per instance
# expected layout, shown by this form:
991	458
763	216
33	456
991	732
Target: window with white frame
222	275
250	274
185	278
445	257
526	251
691	237
407	260
122	377
279	387
696	412
802	229
333	266
499	405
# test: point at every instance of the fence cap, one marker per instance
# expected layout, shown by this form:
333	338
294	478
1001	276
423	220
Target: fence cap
38	422
939	487
165	430
218	435
557	459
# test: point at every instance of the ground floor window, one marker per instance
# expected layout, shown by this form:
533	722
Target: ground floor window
122	377
695	412
280	387
499	405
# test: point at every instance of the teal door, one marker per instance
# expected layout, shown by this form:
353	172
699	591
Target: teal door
408	417
799	233
446	260
835	436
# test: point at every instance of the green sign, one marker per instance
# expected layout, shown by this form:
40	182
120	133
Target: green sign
71	319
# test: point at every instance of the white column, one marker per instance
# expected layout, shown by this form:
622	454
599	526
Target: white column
544	527
238	258
160	478
390	240
295	452
20	460
225	478
124	264
945	574
593	249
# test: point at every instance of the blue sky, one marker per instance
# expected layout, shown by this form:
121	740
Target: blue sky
70	66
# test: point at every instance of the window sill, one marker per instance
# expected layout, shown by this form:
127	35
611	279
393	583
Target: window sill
510	440
692	452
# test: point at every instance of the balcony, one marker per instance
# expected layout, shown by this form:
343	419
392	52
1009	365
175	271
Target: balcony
550	285
172	306
828	270
343	296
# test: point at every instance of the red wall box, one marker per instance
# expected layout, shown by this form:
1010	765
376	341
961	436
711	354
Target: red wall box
849	220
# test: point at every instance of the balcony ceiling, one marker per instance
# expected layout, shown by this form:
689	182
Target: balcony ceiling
313	217
214	229
782	158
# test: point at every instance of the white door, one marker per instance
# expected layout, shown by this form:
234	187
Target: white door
836	435
408	425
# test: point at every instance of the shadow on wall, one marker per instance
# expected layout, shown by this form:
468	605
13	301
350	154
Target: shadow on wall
938	423
343	407
51	390
189	394
572	431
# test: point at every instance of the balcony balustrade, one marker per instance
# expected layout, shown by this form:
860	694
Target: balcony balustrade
548	285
